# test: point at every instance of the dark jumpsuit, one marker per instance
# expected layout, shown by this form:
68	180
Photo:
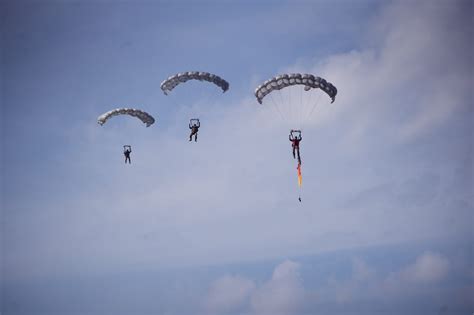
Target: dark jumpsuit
295	143
194	130
127	156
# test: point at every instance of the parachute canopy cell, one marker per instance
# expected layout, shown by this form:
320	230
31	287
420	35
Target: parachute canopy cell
282	81
173	81
143	116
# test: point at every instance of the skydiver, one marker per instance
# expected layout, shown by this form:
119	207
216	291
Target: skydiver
295	143
194	128
127	152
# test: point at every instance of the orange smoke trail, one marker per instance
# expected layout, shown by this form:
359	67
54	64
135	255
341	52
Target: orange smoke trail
300	178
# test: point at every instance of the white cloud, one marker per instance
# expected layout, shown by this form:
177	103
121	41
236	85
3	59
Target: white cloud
360	283
283	294
423	277
228	294
428	268
407	81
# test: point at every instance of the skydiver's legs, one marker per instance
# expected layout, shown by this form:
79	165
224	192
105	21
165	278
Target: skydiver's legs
192	134
299	158
196	137
294	148
127	158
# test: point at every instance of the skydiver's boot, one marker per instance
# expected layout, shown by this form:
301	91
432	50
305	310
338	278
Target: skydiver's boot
196	138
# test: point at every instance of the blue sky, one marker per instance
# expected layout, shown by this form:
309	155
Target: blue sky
214	227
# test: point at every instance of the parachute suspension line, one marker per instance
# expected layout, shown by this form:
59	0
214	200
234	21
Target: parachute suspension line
290	103
276	106
309	103
308	100
176	105
281	98
301	109
282	103
212	101
314	106
290	106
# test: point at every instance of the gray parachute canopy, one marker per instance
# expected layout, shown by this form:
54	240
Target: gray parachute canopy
143	116
173	81
308	80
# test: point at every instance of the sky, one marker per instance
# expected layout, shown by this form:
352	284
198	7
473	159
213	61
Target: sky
215	226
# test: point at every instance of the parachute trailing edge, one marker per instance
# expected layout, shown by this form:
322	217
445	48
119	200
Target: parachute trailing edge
169	84
143	116
282	81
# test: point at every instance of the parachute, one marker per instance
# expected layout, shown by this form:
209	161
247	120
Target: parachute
308	80
143	116
169	84
295	100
